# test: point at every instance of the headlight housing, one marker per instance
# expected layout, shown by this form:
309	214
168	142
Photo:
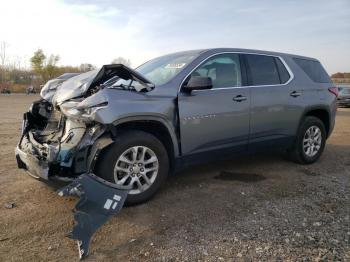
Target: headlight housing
74	109
89	112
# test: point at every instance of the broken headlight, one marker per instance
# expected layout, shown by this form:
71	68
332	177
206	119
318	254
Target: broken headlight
69	109
88	112
75	109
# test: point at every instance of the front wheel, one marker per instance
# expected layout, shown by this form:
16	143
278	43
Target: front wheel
310	142
137	161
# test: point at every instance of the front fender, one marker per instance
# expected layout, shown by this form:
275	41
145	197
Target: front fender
161	120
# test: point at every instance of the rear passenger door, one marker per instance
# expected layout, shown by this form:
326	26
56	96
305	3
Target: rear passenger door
268	79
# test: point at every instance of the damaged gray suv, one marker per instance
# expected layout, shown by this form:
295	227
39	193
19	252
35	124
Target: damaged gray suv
134	127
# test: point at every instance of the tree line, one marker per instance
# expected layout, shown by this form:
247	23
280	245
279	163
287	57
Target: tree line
43	67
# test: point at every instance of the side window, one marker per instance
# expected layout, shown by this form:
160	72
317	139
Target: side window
314	70
284	75
224	70
262	70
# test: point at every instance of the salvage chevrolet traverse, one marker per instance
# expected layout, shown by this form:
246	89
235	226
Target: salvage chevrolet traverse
133	127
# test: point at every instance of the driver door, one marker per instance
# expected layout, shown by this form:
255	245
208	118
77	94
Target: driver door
216	118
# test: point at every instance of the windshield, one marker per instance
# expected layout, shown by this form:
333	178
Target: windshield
162	69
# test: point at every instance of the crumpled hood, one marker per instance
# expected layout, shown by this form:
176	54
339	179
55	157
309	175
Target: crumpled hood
50	88
74	87
80	84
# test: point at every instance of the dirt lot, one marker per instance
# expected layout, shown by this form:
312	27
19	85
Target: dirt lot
250	208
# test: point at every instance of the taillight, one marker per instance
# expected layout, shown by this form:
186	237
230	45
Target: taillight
334	90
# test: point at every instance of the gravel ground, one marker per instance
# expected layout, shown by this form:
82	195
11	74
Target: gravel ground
259	207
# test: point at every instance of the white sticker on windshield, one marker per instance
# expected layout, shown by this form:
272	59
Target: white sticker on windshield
175	65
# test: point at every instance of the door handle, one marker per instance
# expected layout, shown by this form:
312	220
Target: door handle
239	98
295	94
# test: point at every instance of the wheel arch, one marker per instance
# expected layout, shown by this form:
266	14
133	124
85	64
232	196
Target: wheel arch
321	113
156	126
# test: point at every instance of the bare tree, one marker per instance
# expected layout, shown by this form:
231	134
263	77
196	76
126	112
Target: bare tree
3	46
17	61
122	60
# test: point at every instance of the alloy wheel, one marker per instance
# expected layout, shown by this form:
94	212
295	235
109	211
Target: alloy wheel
136	169
312	141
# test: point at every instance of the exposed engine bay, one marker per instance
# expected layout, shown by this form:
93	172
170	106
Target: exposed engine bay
60	144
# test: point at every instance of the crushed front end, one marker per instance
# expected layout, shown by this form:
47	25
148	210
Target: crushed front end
54	145
62	133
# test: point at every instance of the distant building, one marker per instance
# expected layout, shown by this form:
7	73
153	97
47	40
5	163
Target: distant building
341	80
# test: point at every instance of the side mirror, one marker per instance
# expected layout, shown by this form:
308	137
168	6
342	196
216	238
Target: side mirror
198	83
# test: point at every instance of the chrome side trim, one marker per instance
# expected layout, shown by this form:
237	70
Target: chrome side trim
291	75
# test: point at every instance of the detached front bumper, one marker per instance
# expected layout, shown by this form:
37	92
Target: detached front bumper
99	201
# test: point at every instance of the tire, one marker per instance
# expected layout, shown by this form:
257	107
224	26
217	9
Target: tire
125	145
297	153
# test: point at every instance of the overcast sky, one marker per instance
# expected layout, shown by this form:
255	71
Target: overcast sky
96	31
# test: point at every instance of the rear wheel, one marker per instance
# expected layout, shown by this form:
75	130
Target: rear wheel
311	140
137	161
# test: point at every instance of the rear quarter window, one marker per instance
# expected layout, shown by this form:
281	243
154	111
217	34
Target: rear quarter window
314	70
284	75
